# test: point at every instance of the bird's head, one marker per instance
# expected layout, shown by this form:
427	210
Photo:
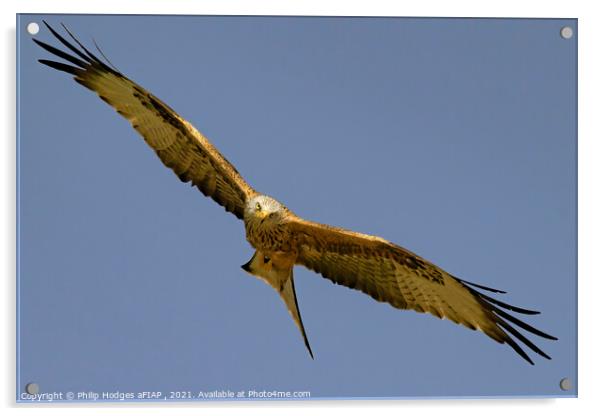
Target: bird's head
264	208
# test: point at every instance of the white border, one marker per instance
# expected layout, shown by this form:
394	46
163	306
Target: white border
590	207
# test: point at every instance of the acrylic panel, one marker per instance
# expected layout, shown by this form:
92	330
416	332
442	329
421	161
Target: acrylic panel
455	139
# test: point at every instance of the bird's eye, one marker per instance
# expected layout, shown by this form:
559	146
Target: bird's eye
258	207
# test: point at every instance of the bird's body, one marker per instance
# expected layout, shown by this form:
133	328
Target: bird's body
379	268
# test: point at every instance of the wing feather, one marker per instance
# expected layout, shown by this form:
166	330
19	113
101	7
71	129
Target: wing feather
180	146
392	274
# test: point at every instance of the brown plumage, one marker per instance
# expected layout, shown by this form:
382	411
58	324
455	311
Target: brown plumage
381	269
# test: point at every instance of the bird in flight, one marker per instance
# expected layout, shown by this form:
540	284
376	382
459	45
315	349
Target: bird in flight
281	239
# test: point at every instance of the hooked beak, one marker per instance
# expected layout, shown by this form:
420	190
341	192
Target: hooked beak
247	266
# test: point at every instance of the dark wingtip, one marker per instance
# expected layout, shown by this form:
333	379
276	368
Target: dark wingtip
502	304
57	52
81	45
489	289
104	56
519	350
504	320
86	55
66	43
523	339
61	66
521	324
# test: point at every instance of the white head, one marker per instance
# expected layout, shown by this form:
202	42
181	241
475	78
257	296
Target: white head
263	208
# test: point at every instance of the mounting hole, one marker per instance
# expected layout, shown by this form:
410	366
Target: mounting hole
33	28
566	32
565	384
32	388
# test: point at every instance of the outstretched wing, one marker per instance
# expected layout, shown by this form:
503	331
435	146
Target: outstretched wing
389	273
178	144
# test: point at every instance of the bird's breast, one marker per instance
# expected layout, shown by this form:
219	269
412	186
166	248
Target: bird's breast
269	237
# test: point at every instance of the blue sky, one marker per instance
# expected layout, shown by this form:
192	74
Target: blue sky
455	138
